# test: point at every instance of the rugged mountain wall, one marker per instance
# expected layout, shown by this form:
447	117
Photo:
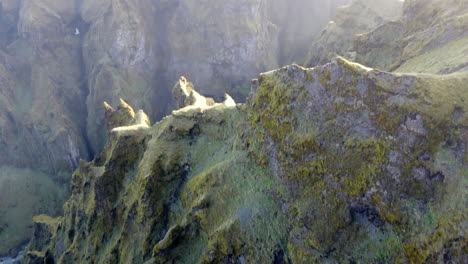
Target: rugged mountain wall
140	48
431	36
414	36
42	113
361	16
334	164
43	91
125	54
60	59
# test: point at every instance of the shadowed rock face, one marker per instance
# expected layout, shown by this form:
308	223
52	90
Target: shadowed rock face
42	90
336	163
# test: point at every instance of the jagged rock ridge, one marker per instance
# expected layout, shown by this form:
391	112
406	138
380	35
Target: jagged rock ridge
337	163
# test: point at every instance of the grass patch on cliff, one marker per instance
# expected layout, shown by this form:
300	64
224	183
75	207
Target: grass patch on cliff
446	59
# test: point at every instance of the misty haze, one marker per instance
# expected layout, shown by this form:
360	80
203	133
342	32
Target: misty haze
233	131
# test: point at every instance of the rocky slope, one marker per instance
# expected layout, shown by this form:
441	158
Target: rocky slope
415	36
334	164
361	16
60	59
430	37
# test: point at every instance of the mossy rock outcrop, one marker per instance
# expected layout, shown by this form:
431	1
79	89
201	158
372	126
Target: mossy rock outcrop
430	37
360	154
334	164
359	17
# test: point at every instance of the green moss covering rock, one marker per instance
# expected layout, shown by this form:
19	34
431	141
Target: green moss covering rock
360	17
369	147
430	37
338	163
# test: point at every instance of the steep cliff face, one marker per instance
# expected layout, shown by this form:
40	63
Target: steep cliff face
64	58
338	163
41	119
59	60
43	91
430	37
125	54
361	16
